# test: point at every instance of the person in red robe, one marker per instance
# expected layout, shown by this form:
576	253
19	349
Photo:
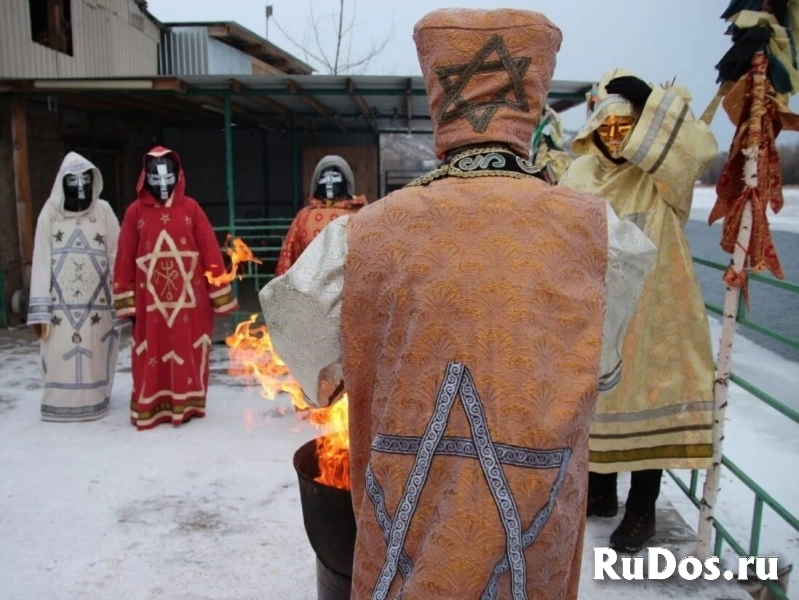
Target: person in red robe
166	247
332	196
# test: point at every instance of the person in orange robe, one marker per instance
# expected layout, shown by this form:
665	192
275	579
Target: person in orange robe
333	195
473	317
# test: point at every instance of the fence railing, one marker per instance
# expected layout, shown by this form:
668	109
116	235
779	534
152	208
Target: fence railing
762	497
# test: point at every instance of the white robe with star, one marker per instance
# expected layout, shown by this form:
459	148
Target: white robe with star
71	292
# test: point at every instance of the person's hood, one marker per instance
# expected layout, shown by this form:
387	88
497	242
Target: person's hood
180	185
606	105
612	105
73	164
487	74
333	161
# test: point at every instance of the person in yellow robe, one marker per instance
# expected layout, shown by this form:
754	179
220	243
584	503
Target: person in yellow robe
642	150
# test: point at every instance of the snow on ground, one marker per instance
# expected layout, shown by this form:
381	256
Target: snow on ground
764	444
100	511
211	510
786	220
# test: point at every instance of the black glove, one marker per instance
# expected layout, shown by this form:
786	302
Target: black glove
633	89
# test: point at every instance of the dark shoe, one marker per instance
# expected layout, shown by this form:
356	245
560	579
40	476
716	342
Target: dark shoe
603	505
634	531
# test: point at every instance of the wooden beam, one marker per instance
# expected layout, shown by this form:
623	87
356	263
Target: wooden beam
239	88
361	104
409	103
169	83
22	186
314	103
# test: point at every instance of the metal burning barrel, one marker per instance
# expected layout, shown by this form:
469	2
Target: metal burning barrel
330	525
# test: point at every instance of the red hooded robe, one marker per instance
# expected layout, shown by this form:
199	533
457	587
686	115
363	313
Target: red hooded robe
159	282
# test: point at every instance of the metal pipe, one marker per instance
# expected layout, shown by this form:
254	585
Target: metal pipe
231	191
296	187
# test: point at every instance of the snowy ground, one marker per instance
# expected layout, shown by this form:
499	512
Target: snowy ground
211	510
786	220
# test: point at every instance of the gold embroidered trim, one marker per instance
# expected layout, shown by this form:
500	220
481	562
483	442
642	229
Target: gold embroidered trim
121	303
448	170
673	451
222	300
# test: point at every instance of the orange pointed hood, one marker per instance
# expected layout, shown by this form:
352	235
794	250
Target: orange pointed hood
487	74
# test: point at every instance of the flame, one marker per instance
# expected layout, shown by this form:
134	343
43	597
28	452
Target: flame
333	448
252	356
239	253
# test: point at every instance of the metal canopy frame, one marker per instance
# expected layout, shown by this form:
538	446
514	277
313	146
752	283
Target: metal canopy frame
314	103
284	103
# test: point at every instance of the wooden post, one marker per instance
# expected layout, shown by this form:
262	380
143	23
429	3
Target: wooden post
22	186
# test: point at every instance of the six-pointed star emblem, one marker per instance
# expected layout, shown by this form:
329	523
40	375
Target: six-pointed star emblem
183	296
479	114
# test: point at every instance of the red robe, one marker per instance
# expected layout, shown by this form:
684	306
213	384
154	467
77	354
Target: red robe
308	223
159	282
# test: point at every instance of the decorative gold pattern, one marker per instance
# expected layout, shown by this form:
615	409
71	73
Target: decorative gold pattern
450	170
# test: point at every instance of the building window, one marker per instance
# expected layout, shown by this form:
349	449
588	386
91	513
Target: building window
51	24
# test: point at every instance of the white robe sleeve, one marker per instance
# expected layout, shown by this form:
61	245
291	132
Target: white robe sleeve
111	245
631	257
302	310
40	305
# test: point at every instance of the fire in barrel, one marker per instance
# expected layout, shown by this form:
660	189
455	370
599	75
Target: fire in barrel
322	464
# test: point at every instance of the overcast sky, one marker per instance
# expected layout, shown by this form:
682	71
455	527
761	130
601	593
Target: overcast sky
657	39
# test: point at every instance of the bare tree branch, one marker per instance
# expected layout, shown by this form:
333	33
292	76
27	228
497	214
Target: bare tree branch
302	47
338	36
341	61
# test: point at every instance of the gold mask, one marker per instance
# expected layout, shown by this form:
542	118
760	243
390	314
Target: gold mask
614	132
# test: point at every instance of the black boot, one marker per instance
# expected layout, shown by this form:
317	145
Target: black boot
634	531
603	500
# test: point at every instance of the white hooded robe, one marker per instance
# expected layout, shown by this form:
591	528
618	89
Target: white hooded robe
71	278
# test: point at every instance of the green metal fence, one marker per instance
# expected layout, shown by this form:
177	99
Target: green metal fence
762	497
265	238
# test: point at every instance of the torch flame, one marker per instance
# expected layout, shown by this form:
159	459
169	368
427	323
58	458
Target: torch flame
239	253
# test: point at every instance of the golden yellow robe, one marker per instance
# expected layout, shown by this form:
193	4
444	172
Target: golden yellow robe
661	414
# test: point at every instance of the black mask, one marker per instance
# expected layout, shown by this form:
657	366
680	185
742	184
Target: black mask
161	176
331	185
78	191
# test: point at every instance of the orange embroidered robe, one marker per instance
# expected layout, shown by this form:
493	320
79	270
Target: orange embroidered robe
468	321
308	223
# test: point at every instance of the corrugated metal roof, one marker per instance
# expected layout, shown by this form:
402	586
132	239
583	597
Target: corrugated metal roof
316	102
386	97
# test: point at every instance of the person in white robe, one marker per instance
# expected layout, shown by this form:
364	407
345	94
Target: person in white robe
71	308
